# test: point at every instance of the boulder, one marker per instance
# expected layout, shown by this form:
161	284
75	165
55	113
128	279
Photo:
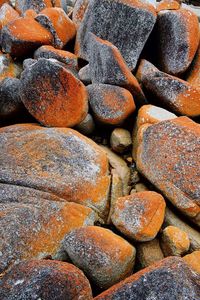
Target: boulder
79	11
8	68
120	140
37	5
7	14
193	260
193	75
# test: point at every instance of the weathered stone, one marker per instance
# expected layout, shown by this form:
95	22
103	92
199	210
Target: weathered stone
87	126
178	36
53	95
193	260
169	279
45	279
108	66
59	24
148	253
8	68
127	25
84	75
169	156
79	11
139	216
168	5
37	5
174	220
111	105
23	36
7	14
63	56
120	140
193	75
104	257
176	94
174	241
59	161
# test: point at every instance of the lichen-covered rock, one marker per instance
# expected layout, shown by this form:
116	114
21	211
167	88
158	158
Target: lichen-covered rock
87	126
178	95
169	156
8	68
37	5
59	161
7	14
23	36
127	24
148	253
59	24
139	216
45	279
105	257
193	75
168	5
169	279
111	105
79	11
120	140
108	66
193	260
178	36
63	56
53	95
174	241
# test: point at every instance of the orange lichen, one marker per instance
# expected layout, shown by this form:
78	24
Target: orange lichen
168	4
193	260
7	14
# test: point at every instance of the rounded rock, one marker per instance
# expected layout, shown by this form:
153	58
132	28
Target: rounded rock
120	140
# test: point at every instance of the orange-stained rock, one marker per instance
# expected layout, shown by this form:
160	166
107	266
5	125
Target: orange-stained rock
66	57
121	23
108	66
193	75
139	216
53	95
111	105
55	160
169	157
7	14
174	241
193	260
3	1
45	279
59	25
79	11
30	13
178	38
168	279
37	5
8	68
103	256
23	36
174	93
35	227
168	5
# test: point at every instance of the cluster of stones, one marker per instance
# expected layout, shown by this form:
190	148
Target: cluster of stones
100	150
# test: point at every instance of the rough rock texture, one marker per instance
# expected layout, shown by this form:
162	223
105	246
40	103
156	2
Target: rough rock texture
104	257
174	220
79	11
60	161
120	140
7	14
87	126
178	36
193	260
37	5
110	104
193	75
45	279
22	36
169	156
139	216
176	94
168	5
8	68
84	75
127	25
148	253
63	56
174	241
108	66
59	24
10	101
169	279
53	95
36	229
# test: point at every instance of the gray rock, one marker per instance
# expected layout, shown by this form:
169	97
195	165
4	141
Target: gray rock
84	75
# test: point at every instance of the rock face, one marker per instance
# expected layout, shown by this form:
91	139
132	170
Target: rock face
104	257
193	75
169	157
176	94
193	260
37	5
8	68
168	5
79	11
169	279
140	215
178	35
127	25
59	161
110	104
44	279
53	95
7	14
